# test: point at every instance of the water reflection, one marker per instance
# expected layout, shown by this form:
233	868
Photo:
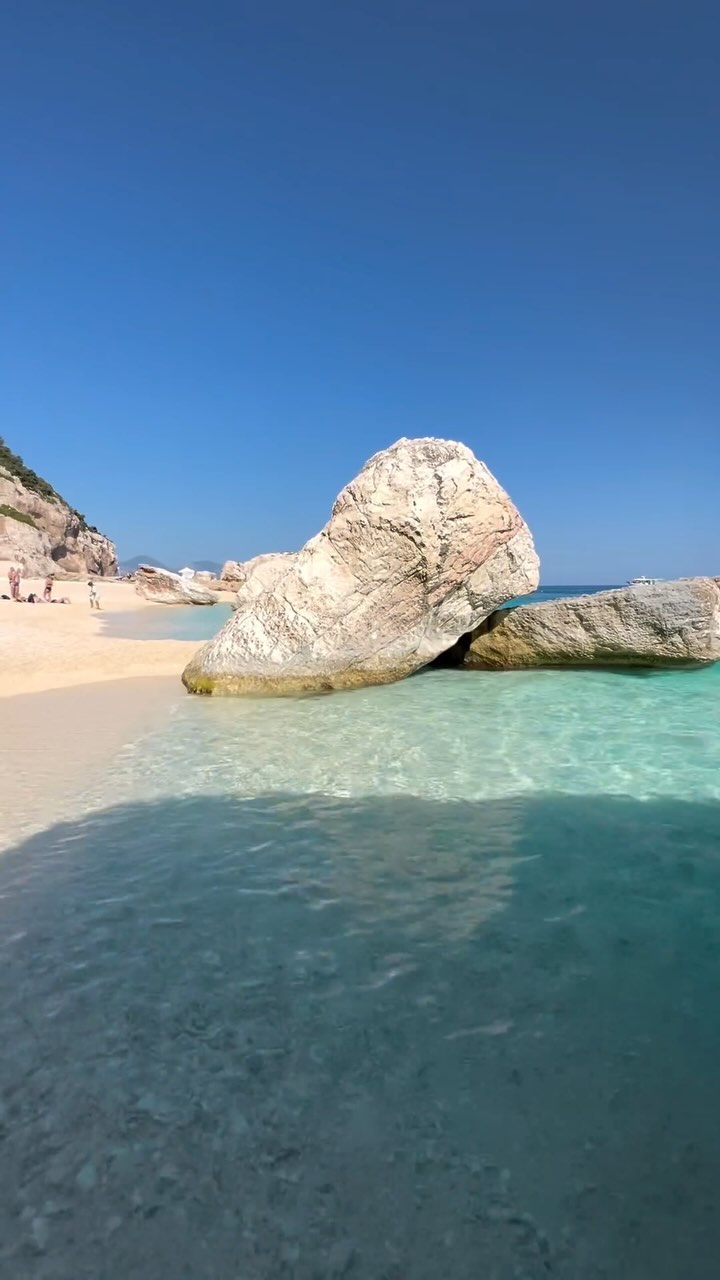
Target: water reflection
296	1036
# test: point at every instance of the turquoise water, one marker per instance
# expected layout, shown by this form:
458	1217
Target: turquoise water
168	622
560	592
402	983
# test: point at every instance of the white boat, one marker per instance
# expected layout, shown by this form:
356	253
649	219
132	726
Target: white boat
642	582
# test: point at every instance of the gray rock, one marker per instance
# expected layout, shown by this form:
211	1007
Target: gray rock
661	624
419	548
341	1259
87	1177
40	1233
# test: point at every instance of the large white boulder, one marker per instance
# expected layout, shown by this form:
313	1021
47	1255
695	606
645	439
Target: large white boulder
419	548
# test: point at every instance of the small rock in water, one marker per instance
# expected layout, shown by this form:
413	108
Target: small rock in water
168	1174
341	1259
151	1105
40	1233
238	1123
87	1177
52	1209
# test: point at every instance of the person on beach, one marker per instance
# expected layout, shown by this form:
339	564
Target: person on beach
11	579
15	585
47	593
94	601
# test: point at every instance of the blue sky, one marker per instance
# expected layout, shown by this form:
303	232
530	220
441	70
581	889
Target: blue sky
245	245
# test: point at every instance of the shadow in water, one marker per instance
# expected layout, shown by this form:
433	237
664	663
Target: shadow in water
382	1037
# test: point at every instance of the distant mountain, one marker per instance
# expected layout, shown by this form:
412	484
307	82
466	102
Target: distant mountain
129	566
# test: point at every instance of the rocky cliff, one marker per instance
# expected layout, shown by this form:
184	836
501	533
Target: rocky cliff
40	531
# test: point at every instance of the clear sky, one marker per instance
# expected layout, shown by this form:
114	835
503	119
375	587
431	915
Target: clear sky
245	245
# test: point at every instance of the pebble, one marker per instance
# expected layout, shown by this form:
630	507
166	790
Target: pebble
340	1259
151	1105
40	1233
238	1124
56	1175
87	1177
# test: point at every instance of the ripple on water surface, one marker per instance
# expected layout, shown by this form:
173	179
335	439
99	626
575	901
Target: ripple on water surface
413	980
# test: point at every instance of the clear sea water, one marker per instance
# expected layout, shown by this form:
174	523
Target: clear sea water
169	622
389	985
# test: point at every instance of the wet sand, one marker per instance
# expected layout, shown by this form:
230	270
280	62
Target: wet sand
54	744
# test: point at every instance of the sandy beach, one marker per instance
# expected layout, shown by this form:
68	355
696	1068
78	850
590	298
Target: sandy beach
55	646
72	695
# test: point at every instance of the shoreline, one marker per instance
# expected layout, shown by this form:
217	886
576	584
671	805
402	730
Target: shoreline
47	647
57	743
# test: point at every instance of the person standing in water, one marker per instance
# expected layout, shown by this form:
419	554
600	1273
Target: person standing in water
94	601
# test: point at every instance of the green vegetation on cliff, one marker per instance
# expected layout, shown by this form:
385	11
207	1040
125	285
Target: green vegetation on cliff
14	514
13	463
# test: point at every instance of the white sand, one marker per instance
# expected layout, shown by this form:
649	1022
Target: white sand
54	646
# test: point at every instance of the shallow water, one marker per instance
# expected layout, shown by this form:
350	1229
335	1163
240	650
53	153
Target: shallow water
168	622
384	985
